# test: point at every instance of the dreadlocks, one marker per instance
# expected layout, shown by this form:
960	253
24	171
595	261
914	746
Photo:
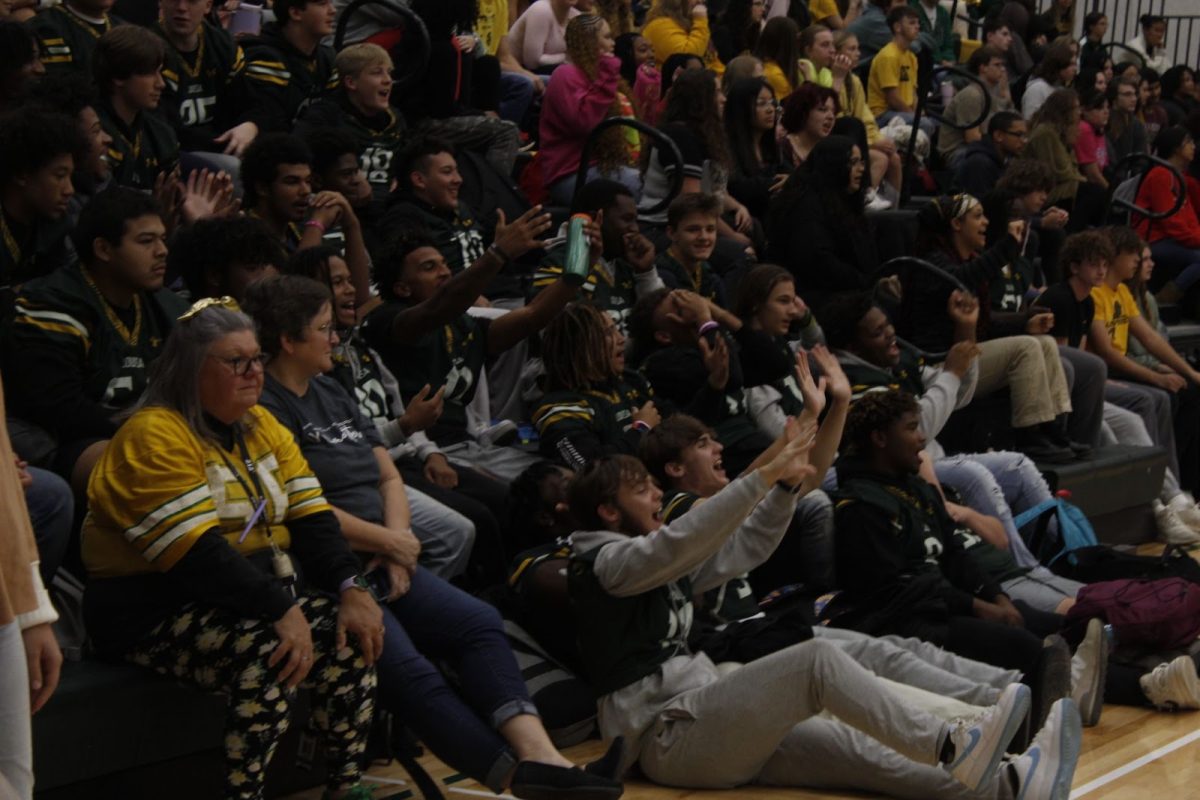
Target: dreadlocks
576	349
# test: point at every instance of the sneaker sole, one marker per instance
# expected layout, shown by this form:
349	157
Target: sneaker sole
975	778
1183	686
1091	702
1064	751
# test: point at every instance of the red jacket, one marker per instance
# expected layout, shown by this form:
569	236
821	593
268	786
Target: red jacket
1156	194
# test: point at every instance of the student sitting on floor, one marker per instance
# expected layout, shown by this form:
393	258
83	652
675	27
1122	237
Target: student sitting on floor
632	580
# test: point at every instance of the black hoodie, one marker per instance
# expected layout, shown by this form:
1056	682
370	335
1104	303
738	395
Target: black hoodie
897	557
287	79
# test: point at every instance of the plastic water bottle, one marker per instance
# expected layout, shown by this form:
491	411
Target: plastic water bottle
577	264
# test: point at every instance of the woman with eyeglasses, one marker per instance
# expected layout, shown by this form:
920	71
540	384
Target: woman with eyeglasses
1126	134
214	558
490	729
757	171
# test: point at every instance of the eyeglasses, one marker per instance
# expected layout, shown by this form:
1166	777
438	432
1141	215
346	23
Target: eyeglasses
209	302
325	330
240	365
766	104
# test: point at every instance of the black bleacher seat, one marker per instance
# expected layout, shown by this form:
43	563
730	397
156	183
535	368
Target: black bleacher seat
116	730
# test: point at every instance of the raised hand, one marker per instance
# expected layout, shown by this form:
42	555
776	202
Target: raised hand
833	376
639	252
690	308
790	465
716	361
811	391
423	410
963	308
517	238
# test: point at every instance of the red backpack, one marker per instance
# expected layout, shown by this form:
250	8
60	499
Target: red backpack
1163	614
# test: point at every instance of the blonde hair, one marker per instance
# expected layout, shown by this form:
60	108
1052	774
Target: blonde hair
676	10
351	61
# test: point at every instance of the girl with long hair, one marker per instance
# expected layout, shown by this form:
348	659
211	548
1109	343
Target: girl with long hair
639	71
852	102
780	54
757	172
681	26
817	227
1056	71
584	92
739	28
1179	93
694	120
1054	130
821	62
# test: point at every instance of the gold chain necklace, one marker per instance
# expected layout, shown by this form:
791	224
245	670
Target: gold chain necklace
130	337
10	241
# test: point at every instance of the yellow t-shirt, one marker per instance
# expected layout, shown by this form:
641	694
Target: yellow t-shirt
892	68
822	9
1115	307
773	74
159	487
492	23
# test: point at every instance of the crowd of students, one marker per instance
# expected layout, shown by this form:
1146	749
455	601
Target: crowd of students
300	380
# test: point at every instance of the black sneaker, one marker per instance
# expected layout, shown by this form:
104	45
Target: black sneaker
1035	444
535	781
1055	432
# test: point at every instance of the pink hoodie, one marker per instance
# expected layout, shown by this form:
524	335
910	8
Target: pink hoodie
573	105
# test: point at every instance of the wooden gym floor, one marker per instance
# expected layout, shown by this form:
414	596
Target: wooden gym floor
1132	754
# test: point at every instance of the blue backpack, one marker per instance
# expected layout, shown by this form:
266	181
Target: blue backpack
1074	530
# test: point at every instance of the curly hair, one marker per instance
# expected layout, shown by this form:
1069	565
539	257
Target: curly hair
612	150
618	15
1025	175
1060	111
576	350
875	411
693	101
1101	245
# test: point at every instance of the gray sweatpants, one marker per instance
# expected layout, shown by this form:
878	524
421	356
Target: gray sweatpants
919	663
758	725
16	748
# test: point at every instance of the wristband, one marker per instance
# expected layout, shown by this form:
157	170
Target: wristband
354	582
790	489
711	325
641	426
316	223
495	250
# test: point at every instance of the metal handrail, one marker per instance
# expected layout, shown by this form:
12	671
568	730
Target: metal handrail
893	267
1178	186
1110	46
659	138
975	79
416	36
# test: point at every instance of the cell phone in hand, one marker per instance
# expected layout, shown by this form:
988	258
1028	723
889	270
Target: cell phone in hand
379	582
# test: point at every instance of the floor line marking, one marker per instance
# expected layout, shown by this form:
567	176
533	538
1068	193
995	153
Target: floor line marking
1136	764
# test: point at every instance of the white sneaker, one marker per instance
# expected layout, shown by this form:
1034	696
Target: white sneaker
876	201
1185	508
1046	769
1088	668
1173	685
979	745
1172	529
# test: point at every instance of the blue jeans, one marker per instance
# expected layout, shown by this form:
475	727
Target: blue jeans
1180	263
516	94
434	620
51	510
